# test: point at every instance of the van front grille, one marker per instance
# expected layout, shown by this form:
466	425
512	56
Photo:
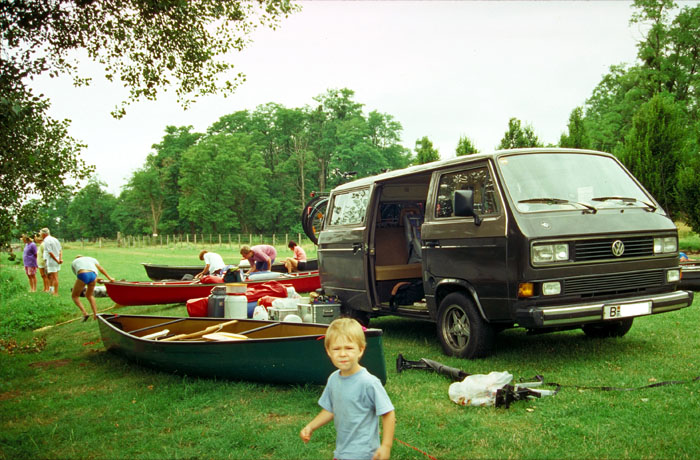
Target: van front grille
602	249
614	283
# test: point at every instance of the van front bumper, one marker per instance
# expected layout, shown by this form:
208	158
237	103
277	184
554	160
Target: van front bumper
579	314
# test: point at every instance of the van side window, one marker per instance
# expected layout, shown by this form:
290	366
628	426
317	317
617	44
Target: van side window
349	208
479	180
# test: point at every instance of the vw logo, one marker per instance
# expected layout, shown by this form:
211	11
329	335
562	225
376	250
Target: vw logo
618	248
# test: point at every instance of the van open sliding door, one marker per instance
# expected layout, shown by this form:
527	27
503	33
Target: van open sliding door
343	248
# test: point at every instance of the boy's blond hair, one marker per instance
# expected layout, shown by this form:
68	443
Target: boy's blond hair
348	328
245	249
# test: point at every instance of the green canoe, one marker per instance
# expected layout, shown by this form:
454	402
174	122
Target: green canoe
270	352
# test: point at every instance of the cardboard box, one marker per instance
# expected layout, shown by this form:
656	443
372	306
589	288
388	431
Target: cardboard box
323	313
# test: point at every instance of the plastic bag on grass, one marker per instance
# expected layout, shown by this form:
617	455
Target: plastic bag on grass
479	389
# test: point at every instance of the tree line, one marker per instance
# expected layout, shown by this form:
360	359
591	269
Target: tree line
252	171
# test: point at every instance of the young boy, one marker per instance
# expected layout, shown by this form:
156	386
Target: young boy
353	398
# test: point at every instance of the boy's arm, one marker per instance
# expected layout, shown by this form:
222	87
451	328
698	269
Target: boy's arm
321	419
99	267
388	426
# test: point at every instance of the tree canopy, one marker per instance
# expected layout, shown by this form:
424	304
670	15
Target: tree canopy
147	46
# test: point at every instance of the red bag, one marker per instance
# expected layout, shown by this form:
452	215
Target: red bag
271	288
197	307
266	301
211	279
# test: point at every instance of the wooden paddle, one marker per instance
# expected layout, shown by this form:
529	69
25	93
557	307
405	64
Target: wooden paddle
214	328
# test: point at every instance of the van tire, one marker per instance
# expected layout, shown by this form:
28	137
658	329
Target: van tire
461	330
608	329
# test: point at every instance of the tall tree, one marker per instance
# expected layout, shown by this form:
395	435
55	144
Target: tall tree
655	146
465	147
425	152
517	137
89	214
148	46
578	136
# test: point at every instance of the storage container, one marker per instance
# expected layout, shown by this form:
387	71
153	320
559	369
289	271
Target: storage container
279	313
217	301
323	313
236	306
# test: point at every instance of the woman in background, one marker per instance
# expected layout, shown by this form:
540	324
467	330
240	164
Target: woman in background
40	262
298	262
29	260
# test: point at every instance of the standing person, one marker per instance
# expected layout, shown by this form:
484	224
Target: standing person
40	261
53	255
85	268
29	260
298	262
353	398
214	264
261	257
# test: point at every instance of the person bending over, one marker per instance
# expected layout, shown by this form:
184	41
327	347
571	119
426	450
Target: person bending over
214	264
261	257
85	268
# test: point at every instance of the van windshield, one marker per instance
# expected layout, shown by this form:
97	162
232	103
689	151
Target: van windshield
538	182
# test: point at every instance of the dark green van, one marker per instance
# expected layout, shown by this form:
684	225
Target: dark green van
545	239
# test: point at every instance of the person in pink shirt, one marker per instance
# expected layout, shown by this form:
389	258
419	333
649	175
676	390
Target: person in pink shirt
298	262
261	257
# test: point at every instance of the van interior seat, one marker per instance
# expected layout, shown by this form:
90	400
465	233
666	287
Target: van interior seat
391	255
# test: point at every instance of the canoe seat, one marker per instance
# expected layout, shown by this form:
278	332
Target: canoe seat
391	255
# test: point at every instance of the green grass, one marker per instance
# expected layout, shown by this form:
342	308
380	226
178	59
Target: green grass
71	399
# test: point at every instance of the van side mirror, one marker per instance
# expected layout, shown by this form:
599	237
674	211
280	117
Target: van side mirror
464	205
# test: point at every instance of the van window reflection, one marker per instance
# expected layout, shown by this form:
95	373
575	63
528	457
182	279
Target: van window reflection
349	208
478	180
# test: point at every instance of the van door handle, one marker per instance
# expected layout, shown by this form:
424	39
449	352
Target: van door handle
432	244
356	247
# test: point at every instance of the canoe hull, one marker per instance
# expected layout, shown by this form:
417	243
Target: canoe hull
690	278
158	272
166	292
297	356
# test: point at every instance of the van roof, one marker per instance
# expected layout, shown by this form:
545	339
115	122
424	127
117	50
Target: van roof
429	167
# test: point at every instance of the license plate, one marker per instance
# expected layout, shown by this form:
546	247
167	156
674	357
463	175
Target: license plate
626	310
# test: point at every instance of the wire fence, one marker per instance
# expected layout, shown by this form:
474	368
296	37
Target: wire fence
231	240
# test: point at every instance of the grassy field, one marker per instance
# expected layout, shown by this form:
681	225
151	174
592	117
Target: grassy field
63	396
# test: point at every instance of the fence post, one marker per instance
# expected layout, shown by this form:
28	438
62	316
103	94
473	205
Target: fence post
273	239
250	238
299	237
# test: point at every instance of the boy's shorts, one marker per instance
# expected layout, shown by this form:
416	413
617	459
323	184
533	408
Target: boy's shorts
87	277
30	271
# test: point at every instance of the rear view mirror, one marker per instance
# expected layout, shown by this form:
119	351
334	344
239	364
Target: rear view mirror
464	205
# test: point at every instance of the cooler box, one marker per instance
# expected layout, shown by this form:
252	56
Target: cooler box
323	313
279	313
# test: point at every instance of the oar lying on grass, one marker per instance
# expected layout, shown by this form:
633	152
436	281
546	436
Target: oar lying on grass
210	329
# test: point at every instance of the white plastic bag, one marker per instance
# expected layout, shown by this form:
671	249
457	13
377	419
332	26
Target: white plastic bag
260	313
285	303
479	389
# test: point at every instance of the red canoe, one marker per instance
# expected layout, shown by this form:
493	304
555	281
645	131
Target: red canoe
165	292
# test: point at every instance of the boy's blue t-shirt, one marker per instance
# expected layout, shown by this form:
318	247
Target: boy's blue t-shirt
356	402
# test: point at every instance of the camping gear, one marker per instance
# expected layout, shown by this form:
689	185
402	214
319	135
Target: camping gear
165	292
198	307
216	303
236	306
273	352
158	272
322	313
492	389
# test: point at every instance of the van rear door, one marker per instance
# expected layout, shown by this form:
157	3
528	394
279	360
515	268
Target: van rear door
342	247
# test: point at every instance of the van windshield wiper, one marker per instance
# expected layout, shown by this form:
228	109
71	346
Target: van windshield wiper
559	201
626	199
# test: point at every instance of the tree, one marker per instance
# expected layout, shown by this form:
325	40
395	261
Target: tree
577	137
655	146
148	46
89	214
518	137
425	152
465	147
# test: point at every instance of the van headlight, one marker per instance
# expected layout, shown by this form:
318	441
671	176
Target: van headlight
665	245
550	253
673	276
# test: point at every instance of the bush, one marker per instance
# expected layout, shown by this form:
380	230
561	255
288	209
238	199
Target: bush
21	310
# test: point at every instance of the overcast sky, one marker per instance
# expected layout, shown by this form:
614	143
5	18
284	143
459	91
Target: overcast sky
442	69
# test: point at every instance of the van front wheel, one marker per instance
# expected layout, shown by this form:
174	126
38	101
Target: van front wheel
462	331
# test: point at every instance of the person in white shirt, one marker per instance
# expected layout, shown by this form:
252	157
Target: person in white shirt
53	255
85	268
214	264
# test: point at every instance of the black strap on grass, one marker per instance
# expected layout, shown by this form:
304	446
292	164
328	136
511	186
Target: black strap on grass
607	388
